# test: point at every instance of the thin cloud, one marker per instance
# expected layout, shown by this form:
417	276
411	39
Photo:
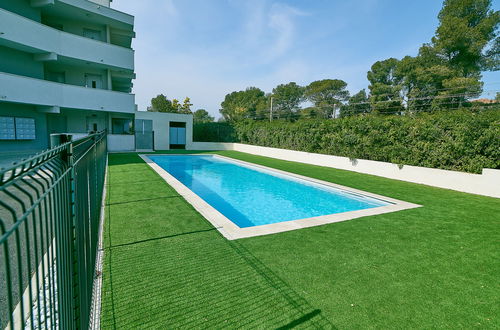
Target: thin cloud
169	7
206	49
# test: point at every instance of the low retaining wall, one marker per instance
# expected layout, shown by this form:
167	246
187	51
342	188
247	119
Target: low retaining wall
121	142
210	146
487	183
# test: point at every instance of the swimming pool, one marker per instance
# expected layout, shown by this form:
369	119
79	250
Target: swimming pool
252	196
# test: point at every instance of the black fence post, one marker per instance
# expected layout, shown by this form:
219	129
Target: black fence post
66	280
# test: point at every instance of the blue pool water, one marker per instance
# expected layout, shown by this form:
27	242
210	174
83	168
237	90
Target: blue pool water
251	196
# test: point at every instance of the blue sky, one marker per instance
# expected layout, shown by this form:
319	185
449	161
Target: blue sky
205	49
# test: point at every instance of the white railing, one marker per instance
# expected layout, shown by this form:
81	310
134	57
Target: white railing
20	89
99	9
44	39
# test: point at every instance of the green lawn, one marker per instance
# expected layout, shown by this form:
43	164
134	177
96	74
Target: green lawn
167	267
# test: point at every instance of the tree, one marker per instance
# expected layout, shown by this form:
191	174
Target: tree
309	113
497	98
385	87
243	104
491	59
465	29
202	116
286	100
456	92
421	78
160	103
186	106
358	103
176	105
327	95
457	53
263	106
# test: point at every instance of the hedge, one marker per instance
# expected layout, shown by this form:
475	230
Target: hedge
455	140
214	132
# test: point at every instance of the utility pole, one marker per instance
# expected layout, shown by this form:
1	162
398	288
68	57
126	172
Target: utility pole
271	111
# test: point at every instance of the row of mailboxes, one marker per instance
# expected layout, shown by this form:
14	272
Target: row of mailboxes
17	128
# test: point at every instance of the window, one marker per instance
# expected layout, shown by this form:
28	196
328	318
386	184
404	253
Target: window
94	124
55	26
93	81
121	126
92	34
59	77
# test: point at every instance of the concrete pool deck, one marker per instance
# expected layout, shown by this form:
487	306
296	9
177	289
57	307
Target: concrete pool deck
231	231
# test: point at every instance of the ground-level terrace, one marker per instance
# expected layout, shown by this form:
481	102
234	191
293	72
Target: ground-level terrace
26	129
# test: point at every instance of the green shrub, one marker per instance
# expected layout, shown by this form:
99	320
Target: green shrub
214	132
455	140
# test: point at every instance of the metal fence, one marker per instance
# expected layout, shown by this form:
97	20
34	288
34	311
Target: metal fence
49	225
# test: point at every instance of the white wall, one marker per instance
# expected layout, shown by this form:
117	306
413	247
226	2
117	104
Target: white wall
102	2
19	89
487	183
161	122
77	120
211	146
121	142
69	43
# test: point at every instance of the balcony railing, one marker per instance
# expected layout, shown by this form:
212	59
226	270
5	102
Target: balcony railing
91	8
38	38
20	89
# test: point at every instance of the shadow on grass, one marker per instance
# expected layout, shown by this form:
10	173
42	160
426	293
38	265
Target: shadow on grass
199	280
159	238
190	278
299	321
307	315
144	200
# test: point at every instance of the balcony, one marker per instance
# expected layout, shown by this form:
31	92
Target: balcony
85	10
51	44
51	95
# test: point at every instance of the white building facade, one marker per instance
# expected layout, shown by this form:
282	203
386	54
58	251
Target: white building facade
66	66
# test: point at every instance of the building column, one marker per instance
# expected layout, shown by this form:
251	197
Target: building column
110	83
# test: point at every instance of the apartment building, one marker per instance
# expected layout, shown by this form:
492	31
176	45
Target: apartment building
66	66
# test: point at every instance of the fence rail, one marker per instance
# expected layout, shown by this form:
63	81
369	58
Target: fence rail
49	225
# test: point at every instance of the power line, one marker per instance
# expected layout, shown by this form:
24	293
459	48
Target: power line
405	104
428	90
439	97
433	97
400	110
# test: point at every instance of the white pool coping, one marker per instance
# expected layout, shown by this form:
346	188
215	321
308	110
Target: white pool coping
231	231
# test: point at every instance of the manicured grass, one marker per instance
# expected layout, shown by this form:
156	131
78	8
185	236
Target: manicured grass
429	267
